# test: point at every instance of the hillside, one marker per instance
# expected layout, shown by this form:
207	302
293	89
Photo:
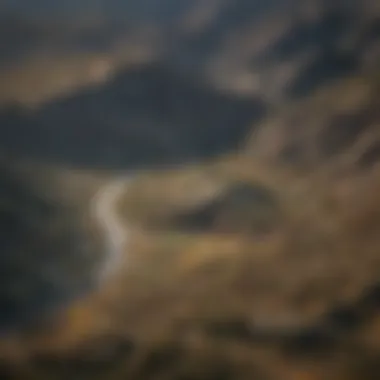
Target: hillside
215	289
173	92
252	142
143	116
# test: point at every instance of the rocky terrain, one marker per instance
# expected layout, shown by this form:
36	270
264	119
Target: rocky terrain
252	131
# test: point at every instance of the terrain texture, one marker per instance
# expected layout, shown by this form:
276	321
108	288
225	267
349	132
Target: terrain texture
250	132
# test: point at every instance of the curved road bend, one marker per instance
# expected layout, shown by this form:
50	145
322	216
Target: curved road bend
116	233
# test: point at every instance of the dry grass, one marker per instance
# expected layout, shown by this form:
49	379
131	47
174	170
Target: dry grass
193	305
297	302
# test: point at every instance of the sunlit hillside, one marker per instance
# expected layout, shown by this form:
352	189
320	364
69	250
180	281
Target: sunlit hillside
248	137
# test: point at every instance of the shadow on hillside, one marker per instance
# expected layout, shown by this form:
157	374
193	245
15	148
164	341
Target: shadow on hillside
146	116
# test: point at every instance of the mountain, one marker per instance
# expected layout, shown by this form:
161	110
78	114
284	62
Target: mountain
260	263
49	255
207	88
144	116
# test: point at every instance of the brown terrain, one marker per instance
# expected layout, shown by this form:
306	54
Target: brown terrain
254	212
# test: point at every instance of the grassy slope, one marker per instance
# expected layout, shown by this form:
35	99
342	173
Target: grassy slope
190	303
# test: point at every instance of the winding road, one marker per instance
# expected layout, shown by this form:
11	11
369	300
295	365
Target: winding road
106	213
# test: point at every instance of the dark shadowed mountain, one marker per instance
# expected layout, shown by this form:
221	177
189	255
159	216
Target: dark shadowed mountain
47	258
147	115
